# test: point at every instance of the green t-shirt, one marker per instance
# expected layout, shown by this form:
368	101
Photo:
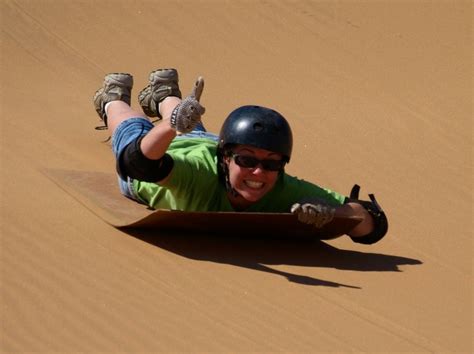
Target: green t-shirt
194	185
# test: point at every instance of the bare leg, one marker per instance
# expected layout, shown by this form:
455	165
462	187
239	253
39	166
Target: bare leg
119	111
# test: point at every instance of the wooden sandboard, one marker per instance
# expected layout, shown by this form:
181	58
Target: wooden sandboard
99	192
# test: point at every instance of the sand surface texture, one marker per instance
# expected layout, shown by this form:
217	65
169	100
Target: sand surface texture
378	93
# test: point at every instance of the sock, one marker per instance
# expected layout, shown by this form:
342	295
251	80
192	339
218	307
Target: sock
159	108
106	107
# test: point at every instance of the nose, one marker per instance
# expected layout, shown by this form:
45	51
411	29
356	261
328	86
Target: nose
258	170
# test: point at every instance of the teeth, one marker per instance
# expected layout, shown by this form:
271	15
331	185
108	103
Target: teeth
254	184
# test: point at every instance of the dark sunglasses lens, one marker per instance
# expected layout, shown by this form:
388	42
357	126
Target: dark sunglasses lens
246	161
272	165
251	162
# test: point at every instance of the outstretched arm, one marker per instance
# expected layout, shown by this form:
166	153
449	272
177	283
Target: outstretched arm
145	159
318	213
372	228
179	117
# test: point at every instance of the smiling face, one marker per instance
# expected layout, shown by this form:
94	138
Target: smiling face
251	183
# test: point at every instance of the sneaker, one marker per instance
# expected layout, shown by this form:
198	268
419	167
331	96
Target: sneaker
116	87
163	83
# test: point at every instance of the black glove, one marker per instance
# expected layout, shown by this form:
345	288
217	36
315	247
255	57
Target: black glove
187	114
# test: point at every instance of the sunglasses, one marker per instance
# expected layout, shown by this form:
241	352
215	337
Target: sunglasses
252	162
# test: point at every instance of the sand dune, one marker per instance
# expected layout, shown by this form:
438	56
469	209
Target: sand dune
378	93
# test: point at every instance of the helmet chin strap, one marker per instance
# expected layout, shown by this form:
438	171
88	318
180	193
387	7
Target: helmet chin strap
233	192
228	185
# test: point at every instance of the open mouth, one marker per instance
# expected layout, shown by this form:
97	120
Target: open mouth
253	184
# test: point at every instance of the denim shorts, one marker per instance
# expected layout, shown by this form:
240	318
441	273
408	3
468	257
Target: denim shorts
133	128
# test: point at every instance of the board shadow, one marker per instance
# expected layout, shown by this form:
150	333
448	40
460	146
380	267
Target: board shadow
258	252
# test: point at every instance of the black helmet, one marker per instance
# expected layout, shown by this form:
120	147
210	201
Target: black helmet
257	126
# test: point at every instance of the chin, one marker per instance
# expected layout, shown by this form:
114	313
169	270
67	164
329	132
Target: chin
252	197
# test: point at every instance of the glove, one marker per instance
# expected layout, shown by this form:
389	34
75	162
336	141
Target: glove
187	114
317	214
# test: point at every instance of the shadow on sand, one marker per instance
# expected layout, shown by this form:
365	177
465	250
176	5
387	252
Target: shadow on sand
258	252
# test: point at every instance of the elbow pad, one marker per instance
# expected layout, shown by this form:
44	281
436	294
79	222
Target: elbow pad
374	209
132	163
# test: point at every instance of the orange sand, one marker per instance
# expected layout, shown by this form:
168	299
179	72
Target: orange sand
378	93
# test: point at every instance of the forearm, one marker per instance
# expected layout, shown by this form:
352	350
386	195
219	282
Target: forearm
155	144
365	227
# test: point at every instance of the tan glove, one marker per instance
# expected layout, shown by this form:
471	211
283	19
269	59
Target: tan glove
187	114
317	214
